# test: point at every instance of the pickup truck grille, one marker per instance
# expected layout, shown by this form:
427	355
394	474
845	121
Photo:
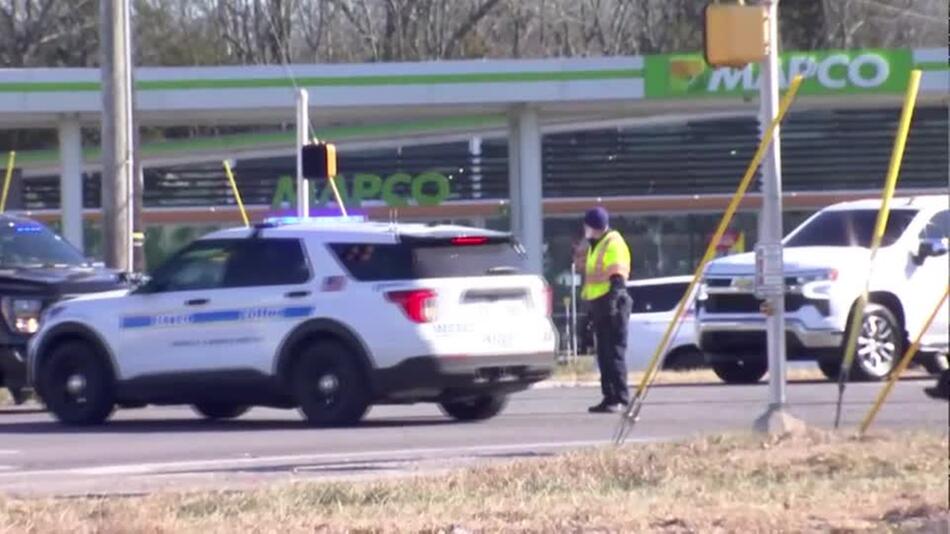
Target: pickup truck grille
746	303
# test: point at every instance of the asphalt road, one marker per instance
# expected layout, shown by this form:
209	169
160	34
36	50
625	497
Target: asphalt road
170	448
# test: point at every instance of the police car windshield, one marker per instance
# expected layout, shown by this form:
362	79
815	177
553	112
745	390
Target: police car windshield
26	244
849	228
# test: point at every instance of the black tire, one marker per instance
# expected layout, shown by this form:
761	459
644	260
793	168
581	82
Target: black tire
475	409
830	367
685	359
77	384
741	371
330	385
874	362
934	362
219	410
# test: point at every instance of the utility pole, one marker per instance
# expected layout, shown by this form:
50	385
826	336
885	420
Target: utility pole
118	169
303	138
770	279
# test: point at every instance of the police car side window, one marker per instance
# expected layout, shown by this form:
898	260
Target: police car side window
199	266
267	262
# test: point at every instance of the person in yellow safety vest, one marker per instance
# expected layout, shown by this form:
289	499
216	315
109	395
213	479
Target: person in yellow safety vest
605	290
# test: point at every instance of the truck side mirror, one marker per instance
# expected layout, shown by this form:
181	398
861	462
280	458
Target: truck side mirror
930	247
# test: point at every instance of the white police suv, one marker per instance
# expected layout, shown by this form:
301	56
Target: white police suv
330	318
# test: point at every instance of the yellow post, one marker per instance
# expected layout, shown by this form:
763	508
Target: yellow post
901	367
890	184
766	140
237	194
11	160
336	194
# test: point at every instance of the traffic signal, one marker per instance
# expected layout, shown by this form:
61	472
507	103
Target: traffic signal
319	161
734	35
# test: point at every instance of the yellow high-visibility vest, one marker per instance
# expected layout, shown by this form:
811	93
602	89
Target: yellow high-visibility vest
610	257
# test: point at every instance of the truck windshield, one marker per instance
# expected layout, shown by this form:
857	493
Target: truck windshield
29	244
849	228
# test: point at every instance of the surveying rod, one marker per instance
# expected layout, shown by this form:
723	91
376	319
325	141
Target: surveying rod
770	280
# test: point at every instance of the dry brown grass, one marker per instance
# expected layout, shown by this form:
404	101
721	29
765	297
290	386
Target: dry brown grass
816	482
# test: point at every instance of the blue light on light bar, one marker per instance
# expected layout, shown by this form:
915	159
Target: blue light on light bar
281	221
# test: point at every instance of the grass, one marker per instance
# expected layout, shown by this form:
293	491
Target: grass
813	482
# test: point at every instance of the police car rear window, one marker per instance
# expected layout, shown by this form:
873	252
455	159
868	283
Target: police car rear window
409	261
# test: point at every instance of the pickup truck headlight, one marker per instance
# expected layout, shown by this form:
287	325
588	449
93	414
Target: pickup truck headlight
22	314
818	285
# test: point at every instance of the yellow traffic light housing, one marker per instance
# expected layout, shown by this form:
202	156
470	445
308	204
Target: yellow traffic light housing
319	161
734	35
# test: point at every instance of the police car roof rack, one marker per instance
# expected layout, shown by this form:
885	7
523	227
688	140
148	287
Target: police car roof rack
275	222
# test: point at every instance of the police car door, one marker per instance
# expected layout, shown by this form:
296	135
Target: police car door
272	275
187	318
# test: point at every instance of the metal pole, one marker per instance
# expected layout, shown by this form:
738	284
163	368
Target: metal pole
771	228
303	132
117	160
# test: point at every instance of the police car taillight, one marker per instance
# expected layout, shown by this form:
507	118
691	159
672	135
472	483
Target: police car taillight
419	305
468	241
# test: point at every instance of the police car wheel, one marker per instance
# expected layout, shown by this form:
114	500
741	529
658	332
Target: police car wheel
77	385
220	410
475	409
329	385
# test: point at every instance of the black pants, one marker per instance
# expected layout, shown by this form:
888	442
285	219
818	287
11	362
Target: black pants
610	330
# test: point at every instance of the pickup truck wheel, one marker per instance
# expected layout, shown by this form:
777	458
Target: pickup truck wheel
830	367
77	385
934	362
220	410
741	372
880	344
476	409
329	385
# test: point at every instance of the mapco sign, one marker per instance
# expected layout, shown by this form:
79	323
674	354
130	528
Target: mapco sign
825	72
397	190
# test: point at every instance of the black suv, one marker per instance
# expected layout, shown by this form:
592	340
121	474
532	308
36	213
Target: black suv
37	268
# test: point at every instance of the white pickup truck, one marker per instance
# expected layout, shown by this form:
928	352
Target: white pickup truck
826	263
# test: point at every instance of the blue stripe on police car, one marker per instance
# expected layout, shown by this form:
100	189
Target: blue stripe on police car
211	317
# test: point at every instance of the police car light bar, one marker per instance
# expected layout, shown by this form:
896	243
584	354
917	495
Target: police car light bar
283	221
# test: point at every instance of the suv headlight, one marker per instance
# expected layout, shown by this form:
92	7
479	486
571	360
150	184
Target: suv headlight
22	314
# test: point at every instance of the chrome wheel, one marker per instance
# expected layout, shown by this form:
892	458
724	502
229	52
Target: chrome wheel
878	345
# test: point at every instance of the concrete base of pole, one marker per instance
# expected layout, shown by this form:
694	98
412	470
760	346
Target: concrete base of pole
778	421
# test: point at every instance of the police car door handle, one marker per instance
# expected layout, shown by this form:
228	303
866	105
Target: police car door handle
297	294
196	302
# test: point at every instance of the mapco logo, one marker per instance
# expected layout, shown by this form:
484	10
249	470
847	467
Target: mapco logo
854	72
687	73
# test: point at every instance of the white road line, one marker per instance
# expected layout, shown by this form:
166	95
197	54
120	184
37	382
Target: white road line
8	452
226	463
